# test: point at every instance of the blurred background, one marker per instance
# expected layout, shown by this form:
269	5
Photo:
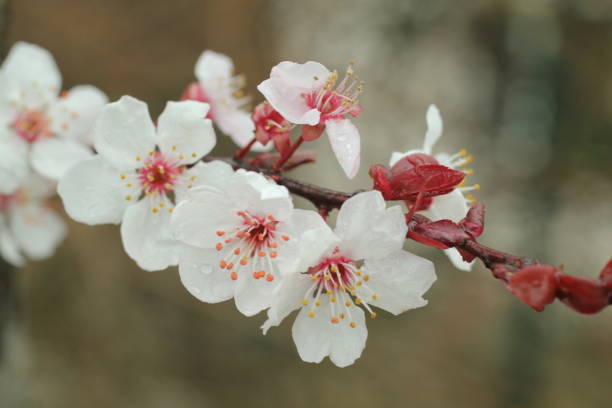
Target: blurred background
525	86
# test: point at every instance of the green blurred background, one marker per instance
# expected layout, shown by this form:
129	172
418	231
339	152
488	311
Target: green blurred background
524	85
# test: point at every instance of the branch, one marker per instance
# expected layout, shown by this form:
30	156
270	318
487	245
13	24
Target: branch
534	283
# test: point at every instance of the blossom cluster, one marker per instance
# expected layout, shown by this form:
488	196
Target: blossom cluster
233	233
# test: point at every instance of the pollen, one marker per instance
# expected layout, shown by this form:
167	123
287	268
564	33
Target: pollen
154	210
234	275
128	197
353	325
138	158
285	238
311	314
335	320
333	299
373	315
262	254
194	155
222	264
219	246
347	303
243	261
269	277
273	254
317	303
374	297
366	277
173	148
123	176
220	233
237	251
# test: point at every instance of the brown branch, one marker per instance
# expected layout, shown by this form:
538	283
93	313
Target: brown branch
533	283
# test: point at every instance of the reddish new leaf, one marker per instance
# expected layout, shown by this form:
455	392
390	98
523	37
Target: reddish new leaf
535	285
582	294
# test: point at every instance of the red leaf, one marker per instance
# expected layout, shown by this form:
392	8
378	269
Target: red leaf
444	231
535	285
426	240
431	179
606	275
467	257
380	175
473	222
582	294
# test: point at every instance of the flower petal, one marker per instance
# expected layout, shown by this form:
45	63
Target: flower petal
368	229
147	237
212	65
457	260
254	295
32	75
286	86
288	298
399	281
38	230
94	193
52	157
14	166
184	130
346	144
316	337
73	116
434	128
238	125
9	248
124	133
199	275
452	206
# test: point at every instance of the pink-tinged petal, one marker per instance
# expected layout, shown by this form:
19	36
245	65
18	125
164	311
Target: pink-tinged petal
346	144
52	157
94	192
399	281
74	114
434	128
289	297
213	66
147	237
184	131
124	133
14	160
38	230
316	337
238	125
457	260
8	246
368	229
287	85
201	277
32	75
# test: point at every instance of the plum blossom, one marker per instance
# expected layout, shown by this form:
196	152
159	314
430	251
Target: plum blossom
454	205
28	226
218	87
241	235
39	125
271	126
140	172
309	95
363	267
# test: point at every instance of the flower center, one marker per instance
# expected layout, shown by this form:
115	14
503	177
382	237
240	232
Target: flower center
159	175
251	247
7	201
31	125
340	279
335	101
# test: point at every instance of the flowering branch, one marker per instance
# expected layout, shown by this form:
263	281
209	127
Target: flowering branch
534	283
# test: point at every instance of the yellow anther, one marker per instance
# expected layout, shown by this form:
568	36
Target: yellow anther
342	315
313	277
161	205
366	277
469	172
374	297
358	273
476	186
327	277
154	210
353	325
347	303
181	157
170	210
189	186
373	315
311	314
128	197
334	269
173	148
138	158
468	160
123	176
335	320
192	178
128	185
358	283
463	152
358	301
333	299
304	302
194	155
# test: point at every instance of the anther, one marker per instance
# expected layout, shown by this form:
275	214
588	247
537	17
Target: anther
234	275
353	325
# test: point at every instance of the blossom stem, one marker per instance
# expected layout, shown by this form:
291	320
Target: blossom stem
279	164
242	152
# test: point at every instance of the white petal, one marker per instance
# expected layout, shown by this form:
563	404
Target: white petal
184	130
213	65
457	260
37	230
73	116
397	156
32	75
8	246
196	220
346	144
368	229
451	206
238	125
201	277
253	295
37	188
94	193
310	238
124	133
215	173
147	237
288	298
286	86
434	128
399	281
259	195
316	337
52	157
14	166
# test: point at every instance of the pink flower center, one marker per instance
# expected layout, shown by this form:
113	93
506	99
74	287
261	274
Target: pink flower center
7	201
32	125
339	278
251	247
335	101
159	175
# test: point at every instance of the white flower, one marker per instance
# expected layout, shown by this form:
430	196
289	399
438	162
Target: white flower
454	205
139	173
241	235
222	90
364	267
307	94
38	125
28	226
